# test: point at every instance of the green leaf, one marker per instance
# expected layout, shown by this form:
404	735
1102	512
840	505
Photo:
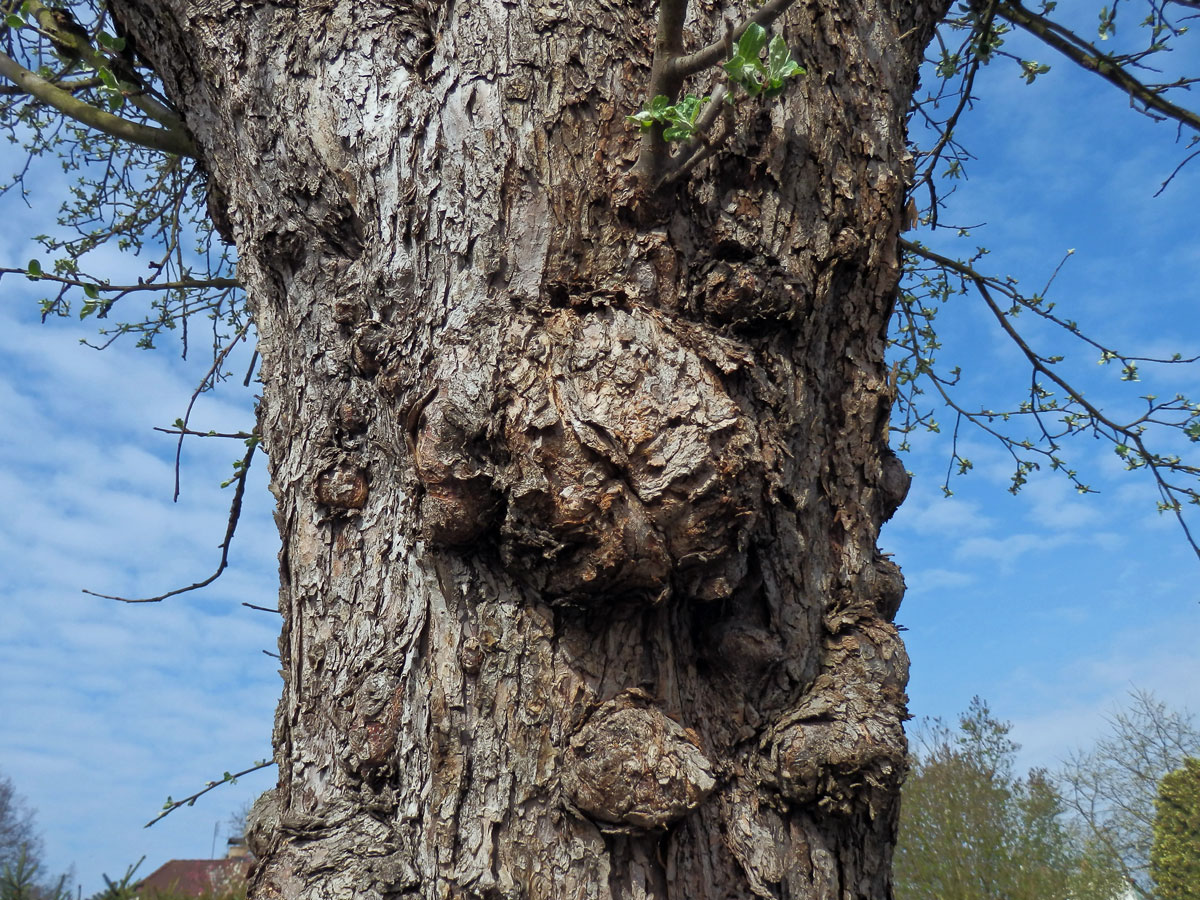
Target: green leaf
688	108
644	119
753	39
657	112
751	82
106	40
780	62
89	291
35	269
14	21
109	79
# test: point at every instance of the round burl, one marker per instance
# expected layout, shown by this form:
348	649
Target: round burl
631	765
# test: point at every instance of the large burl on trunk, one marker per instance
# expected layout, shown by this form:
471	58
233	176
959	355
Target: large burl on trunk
579	486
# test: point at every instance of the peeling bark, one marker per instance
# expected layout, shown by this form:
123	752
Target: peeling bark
579	491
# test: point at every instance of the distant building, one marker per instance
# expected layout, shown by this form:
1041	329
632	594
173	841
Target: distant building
199	877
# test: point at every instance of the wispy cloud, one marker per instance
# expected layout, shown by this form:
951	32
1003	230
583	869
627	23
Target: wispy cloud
105	708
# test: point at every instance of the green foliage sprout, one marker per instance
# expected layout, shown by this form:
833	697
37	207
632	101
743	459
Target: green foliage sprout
745	68
678	119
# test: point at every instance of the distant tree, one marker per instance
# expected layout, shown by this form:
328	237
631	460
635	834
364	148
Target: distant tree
124	888
970	829
22	872
16	825
1175	854
24	879
1112	788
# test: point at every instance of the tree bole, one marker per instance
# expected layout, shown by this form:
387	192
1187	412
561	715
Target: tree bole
579	487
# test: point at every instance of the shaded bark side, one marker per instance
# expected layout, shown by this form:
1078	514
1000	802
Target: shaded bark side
579	491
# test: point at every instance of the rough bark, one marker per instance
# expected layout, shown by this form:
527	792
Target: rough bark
579	489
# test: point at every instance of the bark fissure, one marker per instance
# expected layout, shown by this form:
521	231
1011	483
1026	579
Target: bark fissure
579	489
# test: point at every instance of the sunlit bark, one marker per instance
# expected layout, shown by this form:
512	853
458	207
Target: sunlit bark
579	488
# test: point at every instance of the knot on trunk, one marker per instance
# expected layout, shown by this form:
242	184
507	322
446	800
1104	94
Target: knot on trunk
631	765
836	764
884	581
748	294
630	468
459	504
894	482
342	485
371	738
844	745
262	822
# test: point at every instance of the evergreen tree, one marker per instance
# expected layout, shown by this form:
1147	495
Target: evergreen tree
1175	855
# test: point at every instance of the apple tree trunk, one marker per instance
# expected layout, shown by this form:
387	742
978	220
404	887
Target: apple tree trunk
578	483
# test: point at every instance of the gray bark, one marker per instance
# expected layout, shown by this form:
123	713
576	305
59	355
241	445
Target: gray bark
578	488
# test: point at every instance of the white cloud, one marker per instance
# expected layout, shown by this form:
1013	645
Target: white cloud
940	579
1008	550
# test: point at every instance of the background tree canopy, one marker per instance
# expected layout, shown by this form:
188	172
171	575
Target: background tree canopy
972	829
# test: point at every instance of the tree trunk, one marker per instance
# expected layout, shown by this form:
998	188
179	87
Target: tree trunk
579	486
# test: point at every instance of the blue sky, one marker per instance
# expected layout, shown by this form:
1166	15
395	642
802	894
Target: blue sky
1050	605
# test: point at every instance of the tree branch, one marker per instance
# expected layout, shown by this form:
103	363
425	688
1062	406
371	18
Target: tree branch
668	44
164	139
235	512
78	44
228	778
80	84
683	66
1086	55
1120	434
182	284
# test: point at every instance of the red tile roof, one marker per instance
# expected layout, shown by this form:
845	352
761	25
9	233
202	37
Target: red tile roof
194	877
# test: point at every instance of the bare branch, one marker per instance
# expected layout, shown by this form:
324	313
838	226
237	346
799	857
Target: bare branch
187	284
261	608
235	512
1127	437
240	435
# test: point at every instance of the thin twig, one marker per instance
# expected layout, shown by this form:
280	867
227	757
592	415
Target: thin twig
261	608
1089	57
235	512
216	366
122	289
240	435
173	805
1162	187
